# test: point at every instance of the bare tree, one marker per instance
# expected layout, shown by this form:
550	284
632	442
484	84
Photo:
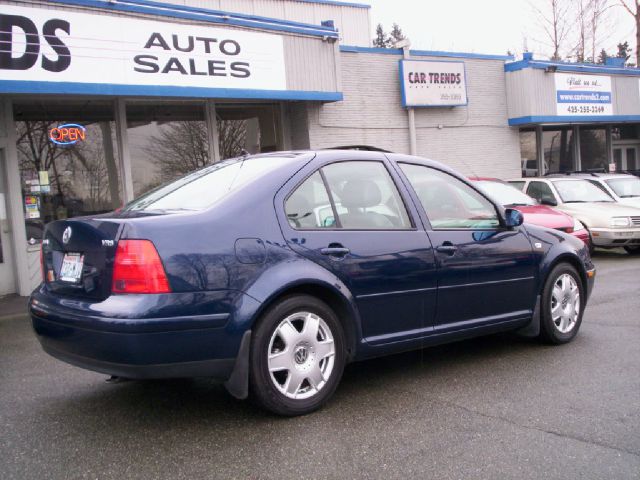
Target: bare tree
633	8
554	18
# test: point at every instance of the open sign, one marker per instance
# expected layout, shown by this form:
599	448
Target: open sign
67	134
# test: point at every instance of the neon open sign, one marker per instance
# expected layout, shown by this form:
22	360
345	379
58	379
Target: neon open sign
67	134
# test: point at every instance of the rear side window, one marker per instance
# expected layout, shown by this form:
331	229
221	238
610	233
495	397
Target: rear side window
448	202
308	207
363	197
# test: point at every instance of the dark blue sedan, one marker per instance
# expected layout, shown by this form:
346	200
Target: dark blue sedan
271	272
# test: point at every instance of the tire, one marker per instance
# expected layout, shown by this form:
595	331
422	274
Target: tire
633	250
562	305
292	371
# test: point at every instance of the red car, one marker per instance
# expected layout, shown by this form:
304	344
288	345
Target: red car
533	212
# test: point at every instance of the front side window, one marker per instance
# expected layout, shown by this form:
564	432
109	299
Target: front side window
506	194
449	202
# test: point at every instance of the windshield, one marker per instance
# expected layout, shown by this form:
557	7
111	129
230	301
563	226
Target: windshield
625	187
505	194
202	188
578	191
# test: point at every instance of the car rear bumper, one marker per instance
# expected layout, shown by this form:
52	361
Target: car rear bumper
150	347
615	237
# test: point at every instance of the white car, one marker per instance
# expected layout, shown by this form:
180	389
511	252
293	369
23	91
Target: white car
611	224
624	188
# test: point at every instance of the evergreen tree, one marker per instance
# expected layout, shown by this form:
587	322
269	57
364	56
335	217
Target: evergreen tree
396	34
381	40
624	51
602	58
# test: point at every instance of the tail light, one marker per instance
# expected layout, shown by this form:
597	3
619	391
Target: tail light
138	269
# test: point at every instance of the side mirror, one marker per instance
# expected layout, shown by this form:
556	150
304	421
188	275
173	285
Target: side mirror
549	201
513	218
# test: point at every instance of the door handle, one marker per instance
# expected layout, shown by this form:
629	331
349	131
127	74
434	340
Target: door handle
447	247
335	250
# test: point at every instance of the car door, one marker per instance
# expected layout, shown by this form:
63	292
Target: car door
350	218
485	270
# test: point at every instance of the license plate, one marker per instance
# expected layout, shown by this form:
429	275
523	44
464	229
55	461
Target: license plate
71	269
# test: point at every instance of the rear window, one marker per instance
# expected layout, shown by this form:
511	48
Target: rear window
203	188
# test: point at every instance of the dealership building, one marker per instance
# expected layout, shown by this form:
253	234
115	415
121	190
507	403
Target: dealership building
102	100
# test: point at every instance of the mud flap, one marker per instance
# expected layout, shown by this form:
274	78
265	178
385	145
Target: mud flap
533	329
238	383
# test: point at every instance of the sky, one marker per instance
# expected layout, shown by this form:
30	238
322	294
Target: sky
482	26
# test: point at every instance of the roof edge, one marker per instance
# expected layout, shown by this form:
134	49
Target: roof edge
424	53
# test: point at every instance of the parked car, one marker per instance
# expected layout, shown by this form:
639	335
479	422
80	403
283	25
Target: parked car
238	272
623	188
510	197
610	224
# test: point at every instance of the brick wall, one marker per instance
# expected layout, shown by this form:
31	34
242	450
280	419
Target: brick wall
475	139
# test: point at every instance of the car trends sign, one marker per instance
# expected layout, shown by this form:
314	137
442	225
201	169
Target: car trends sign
428	83
61	46
583	95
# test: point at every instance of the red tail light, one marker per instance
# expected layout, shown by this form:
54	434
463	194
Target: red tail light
138	269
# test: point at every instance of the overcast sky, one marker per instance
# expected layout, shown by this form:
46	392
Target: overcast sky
480	26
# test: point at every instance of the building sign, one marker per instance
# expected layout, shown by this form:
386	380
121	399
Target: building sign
44	45
428	83
583	95
68	134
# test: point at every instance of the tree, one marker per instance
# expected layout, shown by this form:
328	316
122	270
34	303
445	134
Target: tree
602	58
555	20
396	34
381	40
384	40
624	51
633	8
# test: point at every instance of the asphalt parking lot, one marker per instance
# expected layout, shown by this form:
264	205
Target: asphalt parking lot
496	407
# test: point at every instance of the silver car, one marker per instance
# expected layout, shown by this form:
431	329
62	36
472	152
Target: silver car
610	224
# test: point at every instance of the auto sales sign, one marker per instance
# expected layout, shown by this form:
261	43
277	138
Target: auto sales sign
426	83
60	46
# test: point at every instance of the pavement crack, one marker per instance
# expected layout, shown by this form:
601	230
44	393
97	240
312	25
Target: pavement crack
537	429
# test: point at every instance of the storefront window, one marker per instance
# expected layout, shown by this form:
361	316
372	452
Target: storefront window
558	147
166	141
252	128
593	149
625	132
68	159
529	153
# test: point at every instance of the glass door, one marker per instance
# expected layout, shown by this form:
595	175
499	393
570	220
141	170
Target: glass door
626	158
7	279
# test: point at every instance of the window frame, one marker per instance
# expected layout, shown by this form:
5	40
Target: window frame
498	208
339	228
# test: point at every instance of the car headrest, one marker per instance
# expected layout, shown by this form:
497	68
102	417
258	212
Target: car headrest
360	194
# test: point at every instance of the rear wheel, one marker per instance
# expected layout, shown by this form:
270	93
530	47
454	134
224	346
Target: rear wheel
297	356
562	302
633	250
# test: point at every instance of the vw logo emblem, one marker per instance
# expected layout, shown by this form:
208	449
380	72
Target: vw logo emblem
66	235
301	354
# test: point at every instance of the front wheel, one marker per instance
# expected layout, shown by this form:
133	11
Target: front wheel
633	250
297	356
562	305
